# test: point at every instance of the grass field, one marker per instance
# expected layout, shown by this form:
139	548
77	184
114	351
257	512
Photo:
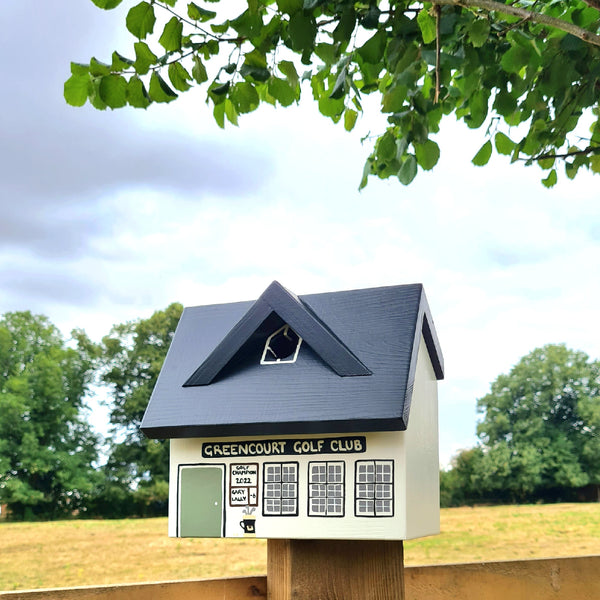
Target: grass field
73	553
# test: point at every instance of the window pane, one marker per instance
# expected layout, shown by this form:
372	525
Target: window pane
383	490
364	507
288	490
383	507
288	506
272	506
335	490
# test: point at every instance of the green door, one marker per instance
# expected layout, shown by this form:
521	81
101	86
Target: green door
201	501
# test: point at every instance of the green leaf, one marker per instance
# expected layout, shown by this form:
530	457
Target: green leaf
144	58
281	90
483	155
478	31
220	89
79	69
504	145
339	88
248	24
345	28
199	70
289	70
372	50
505	103
302	30
371	19
140	20
98	69
230	112
386	146
244	97
393	100
77	89
595	163
137	96
197	13
222	28
478	105
515	59
551	180
107	4
426	25
546	163
120	63
219	114
427	154
160	90
290	7
113	91
350	117
179	77
171	36
408	170
257	73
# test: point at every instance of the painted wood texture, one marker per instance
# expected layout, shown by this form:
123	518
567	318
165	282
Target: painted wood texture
335	570
381	327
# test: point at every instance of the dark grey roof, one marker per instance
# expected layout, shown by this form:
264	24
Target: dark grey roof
354	371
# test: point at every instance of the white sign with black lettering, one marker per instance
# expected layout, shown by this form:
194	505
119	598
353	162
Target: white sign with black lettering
243	484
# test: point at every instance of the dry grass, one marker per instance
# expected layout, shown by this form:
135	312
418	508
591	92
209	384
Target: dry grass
490	533
72	553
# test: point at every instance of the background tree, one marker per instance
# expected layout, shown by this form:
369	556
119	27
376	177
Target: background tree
539	435
47	449
528	72
137	470
536	429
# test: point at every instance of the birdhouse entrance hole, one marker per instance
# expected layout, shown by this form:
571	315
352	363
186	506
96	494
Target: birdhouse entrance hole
282	346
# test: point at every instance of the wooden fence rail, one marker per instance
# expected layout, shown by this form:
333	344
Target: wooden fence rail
575	578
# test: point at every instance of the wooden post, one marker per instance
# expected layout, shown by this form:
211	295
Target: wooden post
335	570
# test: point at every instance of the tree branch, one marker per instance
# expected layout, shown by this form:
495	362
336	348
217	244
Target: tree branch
584	152
514	11
593	3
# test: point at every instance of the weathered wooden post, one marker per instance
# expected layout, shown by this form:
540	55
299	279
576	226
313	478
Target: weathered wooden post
310	421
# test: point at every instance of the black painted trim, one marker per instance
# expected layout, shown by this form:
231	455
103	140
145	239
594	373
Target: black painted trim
424	327
275	428
295	314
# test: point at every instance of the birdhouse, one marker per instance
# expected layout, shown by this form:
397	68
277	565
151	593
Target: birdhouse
303	416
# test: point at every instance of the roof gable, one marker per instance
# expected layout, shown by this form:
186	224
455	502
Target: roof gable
276	299
381	330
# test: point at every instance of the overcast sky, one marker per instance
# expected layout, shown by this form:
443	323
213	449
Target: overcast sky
108	216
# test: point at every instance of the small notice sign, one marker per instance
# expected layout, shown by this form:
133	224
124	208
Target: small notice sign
243	484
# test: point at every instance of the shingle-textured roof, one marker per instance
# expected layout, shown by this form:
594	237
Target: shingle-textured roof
354	371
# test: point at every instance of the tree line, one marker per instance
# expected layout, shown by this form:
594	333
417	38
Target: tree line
539	432
539	435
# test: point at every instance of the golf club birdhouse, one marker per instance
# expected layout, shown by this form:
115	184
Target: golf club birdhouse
303	417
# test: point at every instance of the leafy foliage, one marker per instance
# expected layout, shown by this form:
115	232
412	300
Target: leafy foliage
46	447
528	72
540	433
136	473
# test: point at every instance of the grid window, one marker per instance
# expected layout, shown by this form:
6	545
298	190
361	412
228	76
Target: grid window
326	489
374	488
280	489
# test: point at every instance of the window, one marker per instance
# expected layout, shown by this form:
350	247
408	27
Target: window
280	489
282	346
374	488
326	489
